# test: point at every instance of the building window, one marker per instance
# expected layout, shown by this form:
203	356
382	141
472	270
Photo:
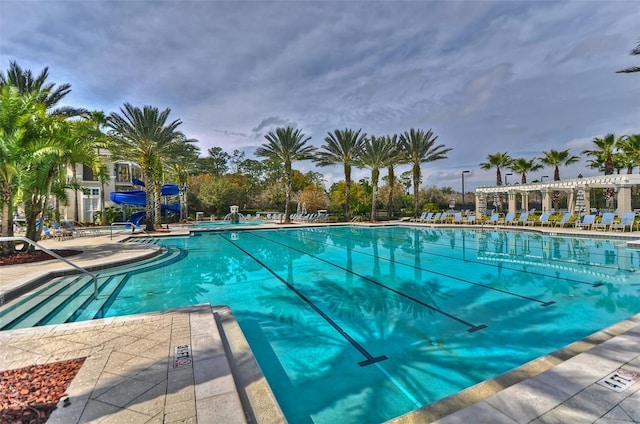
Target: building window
87	174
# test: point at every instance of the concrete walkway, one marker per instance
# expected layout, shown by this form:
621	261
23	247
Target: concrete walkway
131	373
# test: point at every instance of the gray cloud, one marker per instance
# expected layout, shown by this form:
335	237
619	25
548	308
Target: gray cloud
521	77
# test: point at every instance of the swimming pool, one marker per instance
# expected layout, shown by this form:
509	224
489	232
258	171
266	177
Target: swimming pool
359	324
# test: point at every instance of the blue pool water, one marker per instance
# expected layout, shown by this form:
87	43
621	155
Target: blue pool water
354	324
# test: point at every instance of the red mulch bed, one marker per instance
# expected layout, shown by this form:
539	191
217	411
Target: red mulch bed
30	394
35	256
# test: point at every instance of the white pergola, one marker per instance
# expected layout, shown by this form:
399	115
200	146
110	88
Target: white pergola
621	183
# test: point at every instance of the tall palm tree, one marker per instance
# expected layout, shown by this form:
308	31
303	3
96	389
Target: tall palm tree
605	151
180	166
17	114
99	120
286	145
524	166
46	92
44	168
342	146
377	153
630	146
145	136
634	52
419	147
556	158
394	161
497	160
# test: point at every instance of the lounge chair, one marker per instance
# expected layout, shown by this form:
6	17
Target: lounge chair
495	217
443	217
586	222
471	219
628	219
566	220
457	218
524	216
435	218
427	218
508	219
605	223
544	219
420	218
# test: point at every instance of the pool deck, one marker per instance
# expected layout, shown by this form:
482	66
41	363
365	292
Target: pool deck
134	372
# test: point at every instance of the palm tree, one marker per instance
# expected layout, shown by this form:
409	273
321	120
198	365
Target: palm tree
524	166
391	172
497	160
180	166
419	147
47	93
17	115
144	136
634	52
342	146
377	152
556	158
630	146
604	152
286	145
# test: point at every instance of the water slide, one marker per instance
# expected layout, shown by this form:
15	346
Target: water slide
137	198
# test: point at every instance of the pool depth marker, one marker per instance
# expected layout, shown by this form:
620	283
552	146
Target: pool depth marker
472	328
370	358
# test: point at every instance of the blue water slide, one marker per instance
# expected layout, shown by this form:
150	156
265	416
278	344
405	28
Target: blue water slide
138	198
136	217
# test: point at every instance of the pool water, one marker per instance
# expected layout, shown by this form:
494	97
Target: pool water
356	324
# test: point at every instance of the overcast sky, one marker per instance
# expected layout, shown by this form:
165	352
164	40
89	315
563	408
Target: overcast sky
486	76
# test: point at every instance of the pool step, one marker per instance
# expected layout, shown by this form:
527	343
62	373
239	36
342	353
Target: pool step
70	298
91	309
83	297
36	307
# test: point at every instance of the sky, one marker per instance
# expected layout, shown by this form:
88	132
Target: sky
520	77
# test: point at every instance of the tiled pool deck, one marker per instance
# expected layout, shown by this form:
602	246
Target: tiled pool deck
131	375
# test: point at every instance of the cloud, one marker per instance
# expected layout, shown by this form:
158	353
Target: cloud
521	77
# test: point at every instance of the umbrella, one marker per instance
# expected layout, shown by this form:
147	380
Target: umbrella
298	209
304	208
580	201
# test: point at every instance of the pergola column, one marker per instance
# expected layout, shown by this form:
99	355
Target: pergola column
479	210
571	201
512	201
547	197
525	201
624	199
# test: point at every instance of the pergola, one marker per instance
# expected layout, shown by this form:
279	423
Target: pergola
577	191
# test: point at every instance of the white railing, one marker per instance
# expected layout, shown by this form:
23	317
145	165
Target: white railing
55	255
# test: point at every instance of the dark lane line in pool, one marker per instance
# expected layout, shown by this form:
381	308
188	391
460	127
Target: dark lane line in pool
370	358
472	328
472	261
542	303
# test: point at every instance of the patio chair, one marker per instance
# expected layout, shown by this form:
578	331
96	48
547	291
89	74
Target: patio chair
420	218
544	219
443	217
607	221
457	218
427	218
435	217
566	220
508	219
628	219
471	219
524	216
586	222
495	217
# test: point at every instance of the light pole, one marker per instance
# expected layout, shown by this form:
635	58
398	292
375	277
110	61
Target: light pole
463	202
505	178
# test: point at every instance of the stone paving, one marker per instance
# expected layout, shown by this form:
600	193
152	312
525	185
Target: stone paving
129	373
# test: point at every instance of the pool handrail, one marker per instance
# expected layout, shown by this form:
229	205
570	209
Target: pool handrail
55	255
123	224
